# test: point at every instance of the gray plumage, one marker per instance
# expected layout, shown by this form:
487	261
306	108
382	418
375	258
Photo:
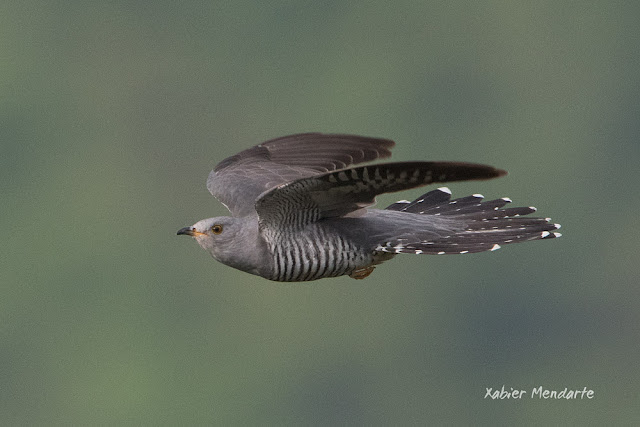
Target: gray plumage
300	209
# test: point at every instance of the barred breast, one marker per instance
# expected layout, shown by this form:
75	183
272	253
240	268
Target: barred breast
313	253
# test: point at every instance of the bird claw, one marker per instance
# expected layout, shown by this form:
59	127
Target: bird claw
362	273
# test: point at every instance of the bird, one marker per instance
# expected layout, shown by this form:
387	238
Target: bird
301	209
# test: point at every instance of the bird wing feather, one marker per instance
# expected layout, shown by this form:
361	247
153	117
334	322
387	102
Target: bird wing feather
238	180
338	193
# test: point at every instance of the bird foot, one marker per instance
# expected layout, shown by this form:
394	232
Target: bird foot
362	273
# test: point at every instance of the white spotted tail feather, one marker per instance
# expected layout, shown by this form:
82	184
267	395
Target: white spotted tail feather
482	225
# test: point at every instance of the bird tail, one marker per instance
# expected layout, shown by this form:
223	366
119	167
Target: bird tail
480	226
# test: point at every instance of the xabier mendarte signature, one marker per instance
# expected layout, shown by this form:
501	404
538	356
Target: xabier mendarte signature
539	392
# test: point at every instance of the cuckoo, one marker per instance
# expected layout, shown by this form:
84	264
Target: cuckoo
301	209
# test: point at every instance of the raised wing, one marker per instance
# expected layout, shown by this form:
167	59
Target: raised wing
238	180
341	192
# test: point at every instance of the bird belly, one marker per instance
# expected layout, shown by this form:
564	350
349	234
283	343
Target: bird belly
314	254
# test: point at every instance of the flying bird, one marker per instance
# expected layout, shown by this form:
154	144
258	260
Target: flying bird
301	209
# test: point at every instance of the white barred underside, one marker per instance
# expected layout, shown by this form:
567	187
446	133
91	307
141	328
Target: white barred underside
314	254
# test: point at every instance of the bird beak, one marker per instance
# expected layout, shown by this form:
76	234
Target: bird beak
186	230
190	231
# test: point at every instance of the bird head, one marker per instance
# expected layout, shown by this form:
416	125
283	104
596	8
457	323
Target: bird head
226	239
213	234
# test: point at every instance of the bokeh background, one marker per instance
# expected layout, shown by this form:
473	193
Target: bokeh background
112	114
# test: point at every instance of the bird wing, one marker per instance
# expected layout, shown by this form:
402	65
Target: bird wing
338	193
238	180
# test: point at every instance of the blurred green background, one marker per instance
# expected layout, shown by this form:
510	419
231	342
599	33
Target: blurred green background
112	114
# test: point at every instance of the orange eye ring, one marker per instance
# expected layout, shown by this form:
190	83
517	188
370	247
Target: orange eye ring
216	229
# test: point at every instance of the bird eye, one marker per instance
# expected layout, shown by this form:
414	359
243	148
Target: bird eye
216	229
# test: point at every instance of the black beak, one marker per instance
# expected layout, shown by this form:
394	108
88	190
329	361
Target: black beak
186	230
